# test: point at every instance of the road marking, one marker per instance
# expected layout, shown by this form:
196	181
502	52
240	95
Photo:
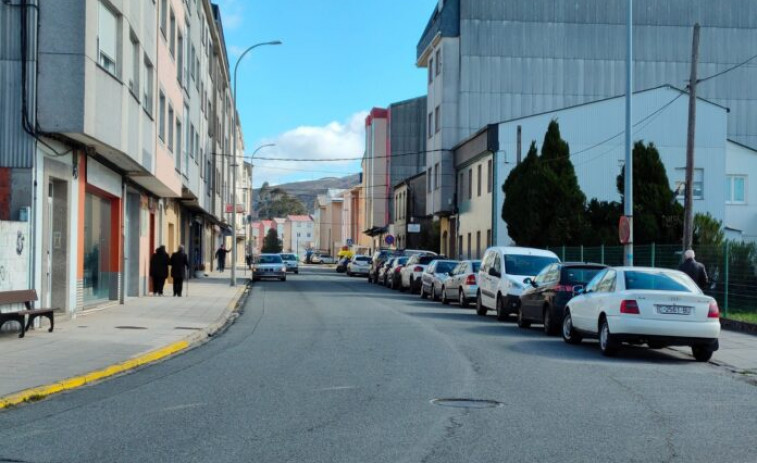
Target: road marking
335	388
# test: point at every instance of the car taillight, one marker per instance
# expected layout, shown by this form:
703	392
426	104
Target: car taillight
418	268
714	311
397	269
629	307
471	280
566	288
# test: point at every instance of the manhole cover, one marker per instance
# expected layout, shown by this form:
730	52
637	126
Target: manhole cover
186	328
131	327
467	403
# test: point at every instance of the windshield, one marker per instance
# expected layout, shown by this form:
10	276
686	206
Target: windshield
578	275
362	259
516	264
660	281
269	260
289	257
445	267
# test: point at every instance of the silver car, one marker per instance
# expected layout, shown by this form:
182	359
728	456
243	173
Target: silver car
434	277
291	262
269	266
359	265
462	284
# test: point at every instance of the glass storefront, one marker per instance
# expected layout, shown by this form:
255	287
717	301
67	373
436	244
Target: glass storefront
97	269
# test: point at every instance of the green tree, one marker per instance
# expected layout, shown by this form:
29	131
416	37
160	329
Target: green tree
271	242
524	200
708	231
657	216
601	222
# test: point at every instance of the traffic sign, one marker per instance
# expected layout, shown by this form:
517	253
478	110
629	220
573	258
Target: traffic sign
624	229
389	239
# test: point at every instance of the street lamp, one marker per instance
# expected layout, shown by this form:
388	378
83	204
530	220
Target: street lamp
234	171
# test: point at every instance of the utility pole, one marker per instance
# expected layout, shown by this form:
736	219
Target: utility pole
688	203
628	187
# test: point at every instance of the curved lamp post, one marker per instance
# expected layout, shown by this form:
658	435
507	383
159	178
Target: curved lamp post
234	171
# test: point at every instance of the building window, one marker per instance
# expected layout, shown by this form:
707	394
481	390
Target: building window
172	32
470	183
460	187
135	70
180	58
107	39
428	180
148	87
478	244
163	16
169	122
162	116
735	189
697	183
489	176
488	238
178	145
437	183
437	119
469	246
430	124
478	185
430	70
438	61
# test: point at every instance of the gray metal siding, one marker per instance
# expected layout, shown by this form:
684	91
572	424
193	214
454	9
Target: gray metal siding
521	57
16	146
407	135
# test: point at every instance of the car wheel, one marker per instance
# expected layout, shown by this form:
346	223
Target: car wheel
423	293
412	286
297	272
501	311
549	326
349	274
283	278
480	309
434	296
369	278
461	299
569	333
445	301
607	343
522	322
701	353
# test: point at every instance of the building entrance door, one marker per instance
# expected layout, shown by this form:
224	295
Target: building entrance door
55	245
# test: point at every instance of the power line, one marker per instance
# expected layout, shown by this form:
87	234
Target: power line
743	63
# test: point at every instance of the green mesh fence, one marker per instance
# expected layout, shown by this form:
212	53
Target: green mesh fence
732	268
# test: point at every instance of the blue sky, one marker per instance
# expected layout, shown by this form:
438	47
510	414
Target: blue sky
309	96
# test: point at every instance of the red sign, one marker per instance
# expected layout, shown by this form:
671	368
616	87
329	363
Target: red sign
624	229
240	209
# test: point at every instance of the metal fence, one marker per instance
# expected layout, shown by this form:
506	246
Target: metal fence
732	267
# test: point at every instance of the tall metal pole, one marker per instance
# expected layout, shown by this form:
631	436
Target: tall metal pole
688	203
235	165
628	190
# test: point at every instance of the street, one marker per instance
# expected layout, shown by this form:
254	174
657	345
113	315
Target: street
327	368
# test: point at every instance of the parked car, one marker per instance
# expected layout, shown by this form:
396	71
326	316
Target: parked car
383	271
500	278
379	258
433	278
269	266
413	269
638	305
462	284
326	259
359	265
341	266
393	276
544	298
291	262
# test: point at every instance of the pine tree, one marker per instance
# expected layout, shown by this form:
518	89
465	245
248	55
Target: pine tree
271	243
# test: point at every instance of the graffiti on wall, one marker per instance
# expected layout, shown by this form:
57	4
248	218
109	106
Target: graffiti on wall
14	255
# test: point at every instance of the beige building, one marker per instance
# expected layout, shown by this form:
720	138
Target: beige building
329	222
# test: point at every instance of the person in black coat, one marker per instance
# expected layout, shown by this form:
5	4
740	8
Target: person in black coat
159	270
694	269
179	265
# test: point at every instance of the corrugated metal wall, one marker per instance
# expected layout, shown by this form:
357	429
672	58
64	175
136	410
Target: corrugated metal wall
521	57
16	146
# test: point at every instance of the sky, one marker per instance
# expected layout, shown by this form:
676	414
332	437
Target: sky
310	95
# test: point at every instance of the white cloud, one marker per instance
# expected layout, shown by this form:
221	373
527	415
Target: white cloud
333	140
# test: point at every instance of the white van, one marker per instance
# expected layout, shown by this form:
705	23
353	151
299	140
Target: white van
501	275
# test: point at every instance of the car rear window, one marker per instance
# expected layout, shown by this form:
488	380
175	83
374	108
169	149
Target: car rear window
289	257
425	260
362	259
402	260
578	275
516	264
476	265
270	260
444	267
659	281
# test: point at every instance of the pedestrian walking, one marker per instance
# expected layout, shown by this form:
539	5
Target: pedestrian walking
179	265
159	270
221	257
694	269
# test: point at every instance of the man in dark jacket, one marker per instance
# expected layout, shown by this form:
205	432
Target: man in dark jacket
159	270
221	257
694	269
179	265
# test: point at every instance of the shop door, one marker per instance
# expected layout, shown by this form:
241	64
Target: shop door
55	245
132	244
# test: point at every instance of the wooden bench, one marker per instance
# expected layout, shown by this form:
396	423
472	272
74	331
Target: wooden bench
24	317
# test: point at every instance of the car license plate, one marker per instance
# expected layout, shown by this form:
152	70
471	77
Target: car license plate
673	309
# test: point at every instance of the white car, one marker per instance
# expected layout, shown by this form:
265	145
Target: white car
638	305
501	276
291	262
413	269
462	285
433	278
359	265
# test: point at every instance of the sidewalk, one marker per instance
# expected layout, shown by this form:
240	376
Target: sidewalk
118	338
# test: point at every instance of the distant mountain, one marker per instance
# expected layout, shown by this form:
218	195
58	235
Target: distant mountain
308	191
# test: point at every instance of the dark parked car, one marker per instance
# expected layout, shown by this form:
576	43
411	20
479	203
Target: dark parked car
543	299
393	275
379	258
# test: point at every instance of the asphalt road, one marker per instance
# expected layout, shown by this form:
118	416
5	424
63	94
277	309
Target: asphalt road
326	368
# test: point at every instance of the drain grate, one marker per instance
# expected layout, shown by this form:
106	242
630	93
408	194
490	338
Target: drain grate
131	327
192	328
467	403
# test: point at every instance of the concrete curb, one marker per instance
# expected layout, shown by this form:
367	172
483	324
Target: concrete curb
40	392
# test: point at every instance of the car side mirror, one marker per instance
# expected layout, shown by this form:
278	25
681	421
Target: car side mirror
578	289
451	273
494	272
529	282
